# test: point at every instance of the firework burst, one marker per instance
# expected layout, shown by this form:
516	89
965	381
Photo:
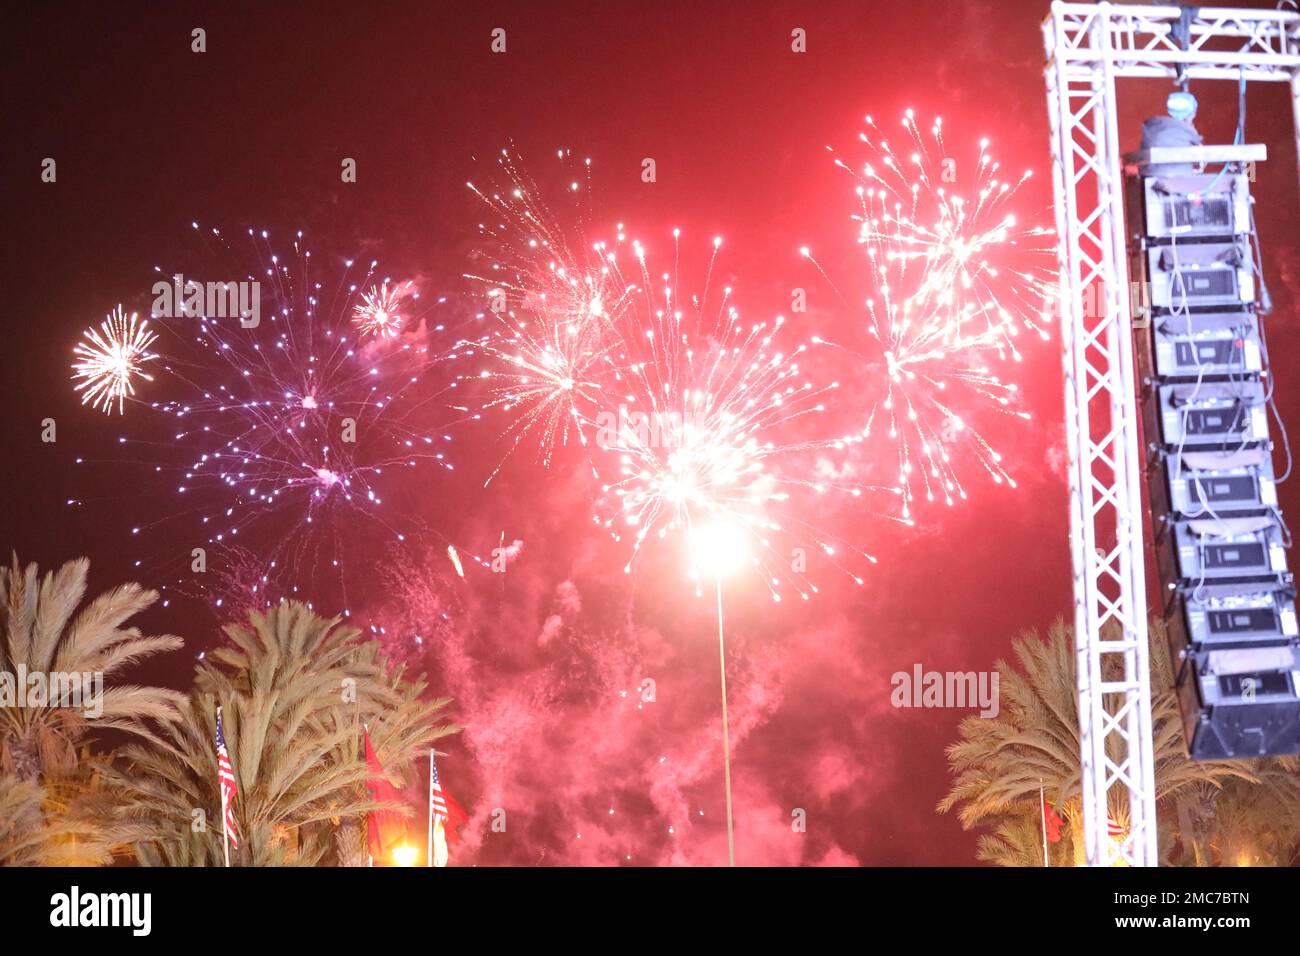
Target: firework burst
689	417
552	305
955	281
715	433
947	220
281	437
111	358
379	313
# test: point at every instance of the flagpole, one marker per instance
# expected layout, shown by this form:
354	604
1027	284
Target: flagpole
370	859
225	833
429	857
1042	808
726	745
225	830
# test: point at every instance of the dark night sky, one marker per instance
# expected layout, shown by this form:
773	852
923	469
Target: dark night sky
149	136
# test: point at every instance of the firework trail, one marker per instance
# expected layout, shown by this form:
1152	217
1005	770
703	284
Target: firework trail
278	438
110	360
954	282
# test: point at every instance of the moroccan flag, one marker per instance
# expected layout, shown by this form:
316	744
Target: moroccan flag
1053	826
456	818
387	828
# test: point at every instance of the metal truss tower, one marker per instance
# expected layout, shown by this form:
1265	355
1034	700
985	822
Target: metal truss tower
1089	47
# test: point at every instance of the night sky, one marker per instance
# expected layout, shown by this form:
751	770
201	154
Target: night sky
149	137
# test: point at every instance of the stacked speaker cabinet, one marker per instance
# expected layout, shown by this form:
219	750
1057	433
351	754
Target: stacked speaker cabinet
1205	388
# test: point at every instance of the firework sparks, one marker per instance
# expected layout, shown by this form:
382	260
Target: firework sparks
689	417
551	307
947	220
379	313
111	358
711	431
954	282
545	371
286	432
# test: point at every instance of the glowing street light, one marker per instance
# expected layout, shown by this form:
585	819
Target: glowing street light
405	855
717	549
720	548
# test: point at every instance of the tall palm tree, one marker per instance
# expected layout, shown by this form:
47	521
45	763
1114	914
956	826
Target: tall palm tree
295	689
39	634
999	764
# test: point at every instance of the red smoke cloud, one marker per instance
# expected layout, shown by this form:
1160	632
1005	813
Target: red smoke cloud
590	700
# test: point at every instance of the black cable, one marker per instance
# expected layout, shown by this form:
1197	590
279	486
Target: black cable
1182	31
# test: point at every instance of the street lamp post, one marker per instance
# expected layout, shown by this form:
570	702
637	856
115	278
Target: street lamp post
720	548
726	744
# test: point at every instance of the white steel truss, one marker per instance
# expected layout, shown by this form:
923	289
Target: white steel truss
1090	46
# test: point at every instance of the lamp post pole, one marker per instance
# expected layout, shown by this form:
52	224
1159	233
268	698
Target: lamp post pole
726	744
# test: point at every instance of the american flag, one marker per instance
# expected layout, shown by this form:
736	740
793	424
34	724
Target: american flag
436	798
226	777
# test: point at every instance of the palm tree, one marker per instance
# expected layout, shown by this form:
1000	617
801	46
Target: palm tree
1015	841
350	843
66	822
1253	824
295	689
999	764
39	635
22	820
